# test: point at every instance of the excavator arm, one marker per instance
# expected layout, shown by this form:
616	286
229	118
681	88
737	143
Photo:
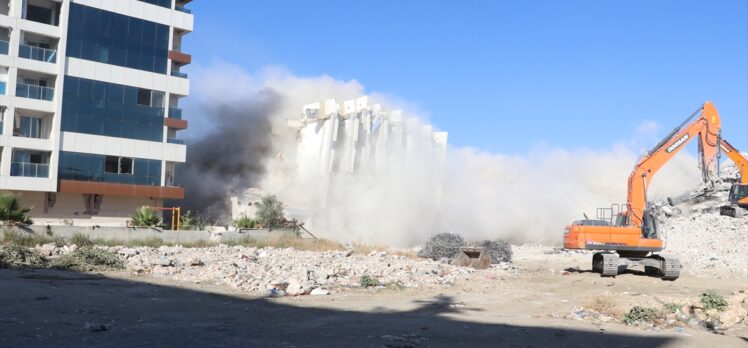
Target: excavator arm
737	158
706	127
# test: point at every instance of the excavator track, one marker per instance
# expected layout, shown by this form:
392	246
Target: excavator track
606	264
670	267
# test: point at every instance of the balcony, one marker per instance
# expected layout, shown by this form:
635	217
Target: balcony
175	113
4	45
38	53
179	74
175	141
182	9
42	11
30	170
35	92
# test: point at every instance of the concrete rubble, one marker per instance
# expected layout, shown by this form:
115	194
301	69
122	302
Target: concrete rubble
278	272
703	239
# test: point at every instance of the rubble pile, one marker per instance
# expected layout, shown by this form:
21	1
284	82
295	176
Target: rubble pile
289	271
703	239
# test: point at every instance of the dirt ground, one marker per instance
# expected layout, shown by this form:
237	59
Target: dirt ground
529	308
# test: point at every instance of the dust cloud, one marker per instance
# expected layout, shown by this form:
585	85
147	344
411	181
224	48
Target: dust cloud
239	140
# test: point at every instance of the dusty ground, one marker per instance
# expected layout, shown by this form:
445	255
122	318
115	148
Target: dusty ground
528	309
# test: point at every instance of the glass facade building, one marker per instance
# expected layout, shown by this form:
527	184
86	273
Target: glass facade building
89	167
111	38
102	108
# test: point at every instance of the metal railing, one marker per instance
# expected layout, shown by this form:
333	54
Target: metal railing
179	74
182	9
34	92
32	170
175	141
4	46
38	53
175	113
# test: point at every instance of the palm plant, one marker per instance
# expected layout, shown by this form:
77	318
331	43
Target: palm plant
145	217
11	211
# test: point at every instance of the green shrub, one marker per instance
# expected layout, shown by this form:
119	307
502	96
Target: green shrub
11	211
244	223
16	256
269	212
672	307
145	217
712	300
367	281
89	259
640	314
81	240
185	221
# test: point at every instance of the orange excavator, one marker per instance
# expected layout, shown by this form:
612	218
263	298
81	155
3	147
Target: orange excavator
738	191
627	234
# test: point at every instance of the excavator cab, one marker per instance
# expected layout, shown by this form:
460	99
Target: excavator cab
738	197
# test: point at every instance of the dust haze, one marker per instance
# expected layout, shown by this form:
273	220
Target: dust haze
238	139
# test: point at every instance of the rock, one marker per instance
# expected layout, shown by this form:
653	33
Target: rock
45	250
349	253
319	291
127	252
294	288
197	262
164	262
693	323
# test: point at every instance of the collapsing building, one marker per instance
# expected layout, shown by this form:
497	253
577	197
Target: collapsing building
344	146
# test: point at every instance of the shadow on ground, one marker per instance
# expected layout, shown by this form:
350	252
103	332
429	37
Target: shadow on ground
62	309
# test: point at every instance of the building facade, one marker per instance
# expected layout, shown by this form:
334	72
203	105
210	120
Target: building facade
90	94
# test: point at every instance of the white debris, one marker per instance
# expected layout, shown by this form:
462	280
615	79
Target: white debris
293	271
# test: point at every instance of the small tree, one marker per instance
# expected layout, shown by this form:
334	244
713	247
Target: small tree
185	221
244	223
145	217
269	212
11	211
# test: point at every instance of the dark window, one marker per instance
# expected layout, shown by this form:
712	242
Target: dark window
39	14
144	97
111	165
125	165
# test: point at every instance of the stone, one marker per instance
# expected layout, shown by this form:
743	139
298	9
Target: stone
319	291
197	262
127	252
164	262
693	323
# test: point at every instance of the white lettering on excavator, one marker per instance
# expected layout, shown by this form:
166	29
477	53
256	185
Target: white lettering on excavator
680	142
725	149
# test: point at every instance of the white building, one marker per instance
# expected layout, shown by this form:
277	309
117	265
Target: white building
89	95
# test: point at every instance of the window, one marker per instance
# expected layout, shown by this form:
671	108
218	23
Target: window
118	165
112	38
113	169
144	97
30	127
102	108
125	165
39	14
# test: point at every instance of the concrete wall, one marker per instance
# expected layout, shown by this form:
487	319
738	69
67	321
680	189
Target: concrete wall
168	236
69	209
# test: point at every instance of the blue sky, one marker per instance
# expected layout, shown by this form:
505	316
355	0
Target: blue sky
505	76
